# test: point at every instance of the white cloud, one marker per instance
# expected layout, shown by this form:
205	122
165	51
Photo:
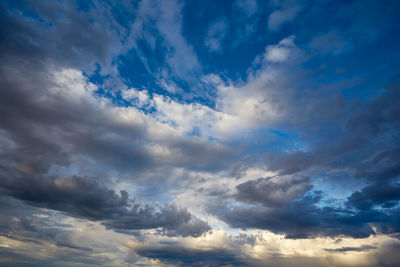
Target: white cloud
141	98
285	51
259	103
170	86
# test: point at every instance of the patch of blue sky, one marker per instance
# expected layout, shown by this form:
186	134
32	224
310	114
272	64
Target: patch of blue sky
269	140
337	186
84	6
237	51
195	132
96	77
365	41
135	73
146	75
279	140
115	97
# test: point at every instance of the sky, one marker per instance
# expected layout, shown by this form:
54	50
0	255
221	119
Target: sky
199	133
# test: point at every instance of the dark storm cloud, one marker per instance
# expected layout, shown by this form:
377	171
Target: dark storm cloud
303	218
378	194
86	198
183	256
349	249
178	255
380	115
382	168
365	148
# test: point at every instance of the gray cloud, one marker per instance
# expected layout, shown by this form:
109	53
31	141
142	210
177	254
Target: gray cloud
272	193
350	140
349	249
378	194
52	35
183	256
86	198
40	229
303	218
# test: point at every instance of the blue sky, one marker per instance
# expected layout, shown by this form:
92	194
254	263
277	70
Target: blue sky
199	133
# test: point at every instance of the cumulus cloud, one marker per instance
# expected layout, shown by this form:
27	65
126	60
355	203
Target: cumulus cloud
86	198
77	195
302	218
44	141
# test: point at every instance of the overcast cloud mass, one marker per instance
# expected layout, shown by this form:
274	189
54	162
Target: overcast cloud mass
199	133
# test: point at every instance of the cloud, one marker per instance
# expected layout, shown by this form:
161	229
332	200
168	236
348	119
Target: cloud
287	13
86	198
272	192
347	249
42	135
215	36
303	218
370	208
280	149
378	194
386	255
356	134
105	133
165	19
284	52
39	237
182	256
52	35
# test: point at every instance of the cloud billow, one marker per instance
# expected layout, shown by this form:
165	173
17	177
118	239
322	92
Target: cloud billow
86	198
